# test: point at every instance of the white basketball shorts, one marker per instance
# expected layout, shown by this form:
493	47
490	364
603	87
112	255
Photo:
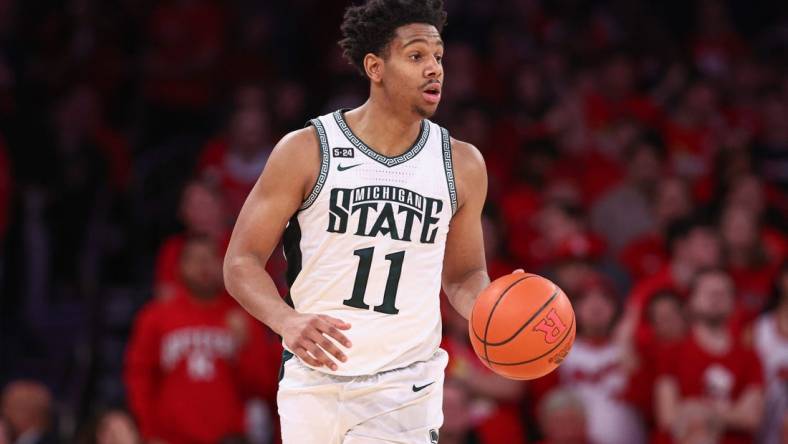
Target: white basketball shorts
403	405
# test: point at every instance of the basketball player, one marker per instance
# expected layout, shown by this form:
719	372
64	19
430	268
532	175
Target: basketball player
377	206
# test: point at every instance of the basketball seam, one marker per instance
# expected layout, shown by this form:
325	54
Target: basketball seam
489	316
566	335
522	327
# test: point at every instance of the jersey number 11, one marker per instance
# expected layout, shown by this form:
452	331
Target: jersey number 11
362	276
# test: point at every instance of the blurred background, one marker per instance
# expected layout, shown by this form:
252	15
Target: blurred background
637	154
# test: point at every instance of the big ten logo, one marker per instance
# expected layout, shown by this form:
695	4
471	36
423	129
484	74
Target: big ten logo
559	357
552	326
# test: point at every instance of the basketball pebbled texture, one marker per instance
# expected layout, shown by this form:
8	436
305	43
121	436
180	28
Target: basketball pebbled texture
522	326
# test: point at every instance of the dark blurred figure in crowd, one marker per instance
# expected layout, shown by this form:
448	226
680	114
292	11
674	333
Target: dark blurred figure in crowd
693	244
457	423
235	162
5	434
111	427
625	212
692	132
710	386
495	246
563	418
646	255
770	338
202	212
492	401
6	190
596	369
26	411
181	64
560	230
194	359
665	316
771	148
752	258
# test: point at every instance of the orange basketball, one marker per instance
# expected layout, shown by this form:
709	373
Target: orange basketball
522	326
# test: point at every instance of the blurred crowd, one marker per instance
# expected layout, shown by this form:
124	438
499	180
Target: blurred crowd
637	154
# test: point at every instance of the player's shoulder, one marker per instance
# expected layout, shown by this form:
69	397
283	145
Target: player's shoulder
296	155
300	144
468	161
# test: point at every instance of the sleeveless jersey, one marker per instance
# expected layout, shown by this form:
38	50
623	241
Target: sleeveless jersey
367	245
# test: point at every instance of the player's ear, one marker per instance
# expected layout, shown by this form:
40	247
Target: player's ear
373	66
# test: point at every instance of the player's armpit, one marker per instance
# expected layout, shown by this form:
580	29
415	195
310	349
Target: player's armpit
464	264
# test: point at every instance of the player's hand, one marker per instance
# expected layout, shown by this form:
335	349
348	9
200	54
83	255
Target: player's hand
307	336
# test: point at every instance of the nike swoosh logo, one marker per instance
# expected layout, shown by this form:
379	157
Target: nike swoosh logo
421	387
343	168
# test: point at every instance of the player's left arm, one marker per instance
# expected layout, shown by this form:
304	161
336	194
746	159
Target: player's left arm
464	264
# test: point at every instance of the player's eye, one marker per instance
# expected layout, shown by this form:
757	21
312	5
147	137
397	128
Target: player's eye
439	59
415	56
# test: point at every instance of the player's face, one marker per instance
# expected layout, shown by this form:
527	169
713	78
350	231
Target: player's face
414	68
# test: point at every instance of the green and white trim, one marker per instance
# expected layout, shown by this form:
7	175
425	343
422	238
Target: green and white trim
448	166
385	160
325	163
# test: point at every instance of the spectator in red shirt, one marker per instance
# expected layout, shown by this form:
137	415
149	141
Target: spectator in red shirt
562	418
560	232
748	258
616	95
194	360
666	318
646	255
235	162
693	245
202	212
710	386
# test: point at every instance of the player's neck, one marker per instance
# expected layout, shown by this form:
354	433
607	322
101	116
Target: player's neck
382	128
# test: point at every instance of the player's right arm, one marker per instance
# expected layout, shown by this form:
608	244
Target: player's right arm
287	179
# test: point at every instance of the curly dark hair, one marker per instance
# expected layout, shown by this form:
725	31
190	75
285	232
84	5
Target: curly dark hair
370	27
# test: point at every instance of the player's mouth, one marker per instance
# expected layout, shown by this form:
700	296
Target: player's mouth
432	93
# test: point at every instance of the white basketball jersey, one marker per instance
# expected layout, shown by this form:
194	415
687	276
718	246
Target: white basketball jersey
367	244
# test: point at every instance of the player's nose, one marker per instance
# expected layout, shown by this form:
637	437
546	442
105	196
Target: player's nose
434	69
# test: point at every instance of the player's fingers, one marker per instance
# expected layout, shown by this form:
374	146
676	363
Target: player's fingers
330	329
304	355
336	334
338	323
321	356
329	346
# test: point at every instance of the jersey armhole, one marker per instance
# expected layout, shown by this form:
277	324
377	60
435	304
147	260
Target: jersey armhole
325	163
448	167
